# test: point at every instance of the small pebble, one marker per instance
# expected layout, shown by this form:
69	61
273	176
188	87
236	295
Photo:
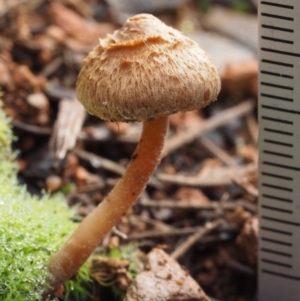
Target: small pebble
53	183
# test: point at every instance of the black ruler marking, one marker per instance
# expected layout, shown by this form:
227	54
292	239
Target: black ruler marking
278	132
279	155
277	74
277	4
276	97
287	233
268	174
277	17
280	109
278	220
280	275
277	86
278	143
277	241
277	187
277	209
276	252
277	120
288	53
276	263
277	63
276	198
277	28
295	168
277	40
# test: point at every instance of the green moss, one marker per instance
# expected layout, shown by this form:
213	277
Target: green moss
31	230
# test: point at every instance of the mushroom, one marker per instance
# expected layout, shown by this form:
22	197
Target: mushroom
143	72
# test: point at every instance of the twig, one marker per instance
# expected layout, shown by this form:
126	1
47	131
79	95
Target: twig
221	236
191	240
107	164
119	233
217	151
238	266
52	66
96	160
67	127
212	205
222	155
246	185
32	128
160	226
253	128
160	233
209	176
188	135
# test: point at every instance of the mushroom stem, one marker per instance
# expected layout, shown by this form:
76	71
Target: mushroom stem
67	261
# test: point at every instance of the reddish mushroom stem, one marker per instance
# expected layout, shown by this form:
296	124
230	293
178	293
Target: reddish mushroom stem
67	261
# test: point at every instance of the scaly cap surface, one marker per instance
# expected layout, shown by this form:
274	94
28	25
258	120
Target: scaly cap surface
144	70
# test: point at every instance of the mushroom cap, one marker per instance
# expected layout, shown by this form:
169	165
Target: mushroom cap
144	70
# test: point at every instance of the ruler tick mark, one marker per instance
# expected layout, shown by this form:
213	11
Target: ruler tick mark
276	198
280	221
277	17
277	40
277	120
277	4
276	231
279	155
276	263
277	86
277	187
280	109
277	63
280	275
276	252
278	132
280	52
281	166
277	241
277	28
268	174
278	143
276	97
276	74
277	209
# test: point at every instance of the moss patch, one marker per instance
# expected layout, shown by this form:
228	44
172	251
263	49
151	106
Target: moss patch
31	230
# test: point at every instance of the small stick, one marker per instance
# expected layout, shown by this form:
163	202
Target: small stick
160	233
67	127
187	136
160	226
108	164
253	128
191	240
217	151
172	204
208	176
222	155
30	128
100	161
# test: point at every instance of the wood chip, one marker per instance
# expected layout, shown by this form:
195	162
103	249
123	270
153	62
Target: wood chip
166	281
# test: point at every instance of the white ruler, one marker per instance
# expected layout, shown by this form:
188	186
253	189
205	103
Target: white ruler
279	149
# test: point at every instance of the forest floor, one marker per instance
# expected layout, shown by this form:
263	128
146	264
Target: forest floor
200	206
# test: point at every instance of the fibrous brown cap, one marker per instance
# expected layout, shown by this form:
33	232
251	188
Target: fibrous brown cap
146	70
